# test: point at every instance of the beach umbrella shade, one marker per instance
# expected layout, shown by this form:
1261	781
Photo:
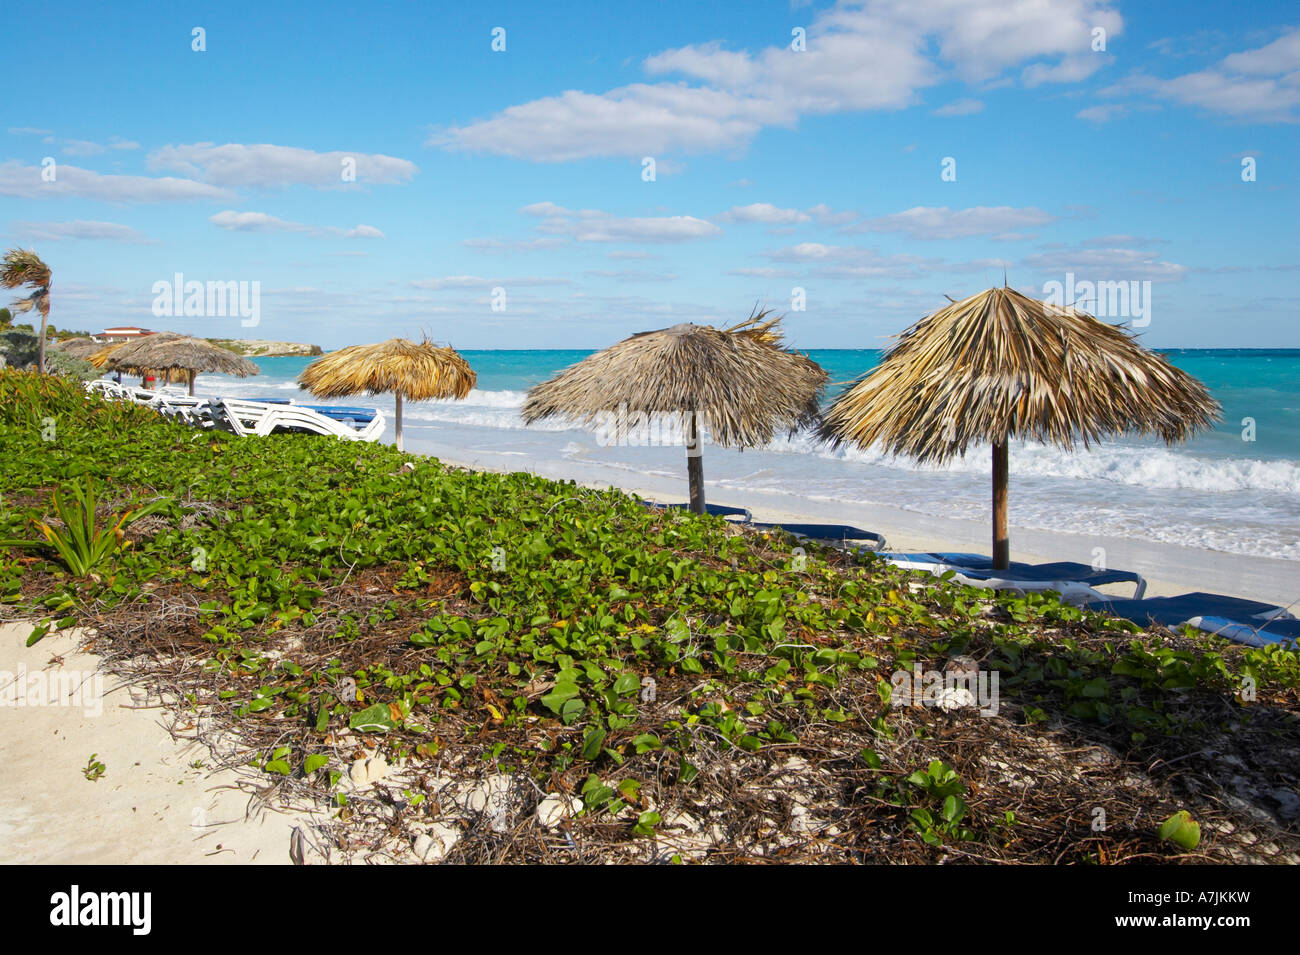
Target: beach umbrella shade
168	352
420	371
1001	365
738	384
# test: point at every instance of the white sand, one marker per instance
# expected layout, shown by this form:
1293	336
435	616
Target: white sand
151	806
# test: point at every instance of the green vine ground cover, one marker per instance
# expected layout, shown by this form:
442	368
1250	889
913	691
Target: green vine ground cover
321	601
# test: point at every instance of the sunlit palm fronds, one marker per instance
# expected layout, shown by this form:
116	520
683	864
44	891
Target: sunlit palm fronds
166	351
1001	365
742	386
419	371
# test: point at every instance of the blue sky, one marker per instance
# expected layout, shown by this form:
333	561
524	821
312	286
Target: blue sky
775	168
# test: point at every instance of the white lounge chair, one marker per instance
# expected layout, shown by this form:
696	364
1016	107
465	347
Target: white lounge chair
255	418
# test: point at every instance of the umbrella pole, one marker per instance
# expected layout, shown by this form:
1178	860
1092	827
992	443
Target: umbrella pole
695	466
192	374
398	424
1001	543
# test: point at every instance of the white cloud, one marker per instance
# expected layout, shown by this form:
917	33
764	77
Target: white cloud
593	225
265	165
763	273
75	147
1102	114
940	222
825	215
73	182
77	229
851	261
262	222
477	282
1108	265
631	275
1261	84
960	107
514	245
763	212
867	55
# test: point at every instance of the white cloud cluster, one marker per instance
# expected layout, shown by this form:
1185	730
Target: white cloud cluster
940	222
262	222
594	225
1261	85
860	55
77	229
26	182
266	166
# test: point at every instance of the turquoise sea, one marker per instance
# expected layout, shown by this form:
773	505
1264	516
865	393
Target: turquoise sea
1235	489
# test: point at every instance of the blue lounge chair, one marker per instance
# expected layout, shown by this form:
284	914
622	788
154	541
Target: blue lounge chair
1072	580
717	510
829	533
1243	621
339	413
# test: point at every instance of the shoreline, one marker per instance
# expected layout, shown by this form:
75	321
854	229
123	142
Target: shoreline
1170	569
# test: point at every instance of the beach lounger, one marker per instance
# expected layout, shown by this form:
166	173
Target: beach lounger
1250	622
1075	582
189	409
261	418
105	387
844	534
717	510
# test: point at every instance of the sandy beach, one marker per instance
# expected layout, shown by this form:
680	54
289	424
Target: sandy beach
156	802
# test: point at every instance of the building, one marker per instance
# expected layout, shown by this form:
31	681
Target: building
122	333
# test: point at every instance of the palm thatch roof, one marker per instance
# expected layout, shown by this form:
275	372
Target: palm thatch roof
166	351
1001	365
420	371
741	382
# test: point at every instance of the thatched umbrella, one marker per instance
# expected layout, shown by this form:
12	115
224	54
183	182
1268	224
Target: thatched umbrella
420	372
738	384
171	351
1000	365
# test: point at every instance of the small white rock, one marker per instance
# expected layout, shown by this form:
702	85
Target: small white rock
555	808
366	772
436	844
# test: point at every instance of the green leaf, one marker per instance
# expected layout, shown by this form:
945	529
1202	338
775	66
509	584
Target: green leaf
592	743
314	762
373	719
627	683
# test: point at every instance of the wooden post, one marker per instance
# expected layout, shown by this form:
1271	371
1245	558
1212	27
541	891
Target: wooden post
1001	544
695	465
399	421
192	374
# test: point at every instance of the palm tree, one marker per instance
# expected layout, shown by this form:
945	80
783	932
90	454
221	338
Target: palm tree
24	267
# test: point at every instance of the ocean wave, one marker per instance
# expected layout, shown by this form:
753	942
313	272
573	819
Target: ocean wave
1159	467
1147	467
